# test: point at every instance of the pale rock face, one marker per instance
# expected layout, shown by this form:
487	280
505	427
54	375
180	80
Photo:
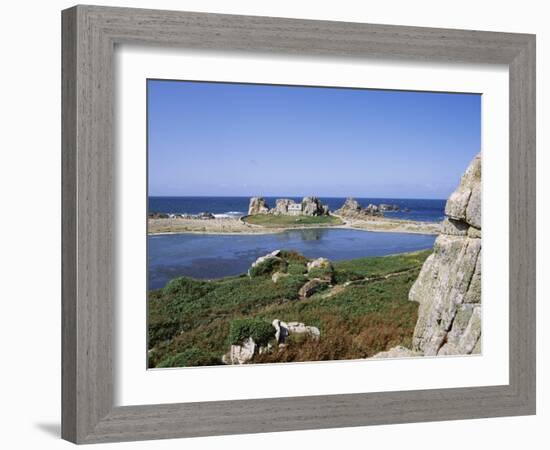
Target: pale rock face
448	288
352	208
240	354
273	255
351	205
465	203
320	263
311	206
257	205
283	330
281	206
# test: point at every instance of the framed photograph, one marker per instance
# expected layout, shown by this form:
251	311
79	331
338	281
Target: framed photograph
278	224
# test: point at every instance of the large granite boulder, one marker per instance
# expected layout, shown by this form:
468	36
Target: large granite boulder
351	208
312	206
282	206
267	264
240	354
464	204
448	288
257	205
283	330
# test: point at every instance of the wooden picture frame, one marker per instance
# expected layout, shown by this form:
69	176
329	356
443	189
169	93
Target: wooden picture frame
90	34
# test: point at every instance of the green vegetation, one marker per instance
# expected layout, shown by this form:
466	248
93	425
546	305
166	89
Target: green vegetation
356	269
324	273
259	330
191	357
268	266
193	322
274	221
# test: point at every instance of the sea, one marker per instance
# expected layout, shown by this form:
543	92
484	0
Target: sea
426	210
206	256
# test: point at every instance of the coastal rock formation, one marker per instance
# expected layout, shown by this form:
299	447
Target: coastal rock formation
352	208
309	206
448	287
312	206
257	205
388	207
282	206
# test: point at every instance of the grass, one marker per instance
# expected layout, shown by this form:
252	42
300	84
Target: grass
193	322
274	221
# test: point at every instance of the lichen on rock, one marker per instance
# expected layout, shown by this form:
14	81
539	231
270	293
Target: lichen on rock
448	288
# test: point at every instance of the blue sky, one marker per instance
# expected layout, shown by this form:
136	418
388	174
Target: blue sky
236	139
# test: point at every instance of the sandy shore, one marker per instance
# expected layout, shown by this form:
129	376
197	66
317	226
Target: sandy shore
236	226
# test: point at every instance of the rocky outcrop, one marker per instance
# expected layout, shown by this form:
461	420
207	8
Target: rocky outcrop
448	288
388	207
283	330
257	205
312	206
352	208
309	206
267	264
282	206
240	354
244	352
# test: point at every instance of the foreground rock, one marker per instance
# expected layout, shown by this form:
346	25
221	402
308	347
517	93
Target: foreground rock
266	264
240	354
245	352
312	287
257	205
448	288
283	330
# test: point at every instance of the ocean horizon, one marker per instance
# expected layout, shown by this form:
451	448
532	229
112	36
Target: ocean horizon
427	210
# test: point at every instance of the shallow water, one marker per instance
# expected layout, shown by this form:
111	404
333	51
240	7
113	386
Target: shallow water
215	256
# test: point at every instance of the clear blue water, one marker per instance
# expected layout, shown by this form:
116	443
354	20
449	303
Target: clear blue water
214	256
420	209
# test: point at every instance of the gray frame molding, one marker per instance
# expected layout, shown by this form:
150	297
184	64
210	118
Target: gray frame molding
89	36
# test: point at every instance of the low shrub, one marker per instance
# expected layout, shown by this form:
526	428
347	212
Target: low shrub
293	256
324	273
267	267
189	358
259	330
296	269
342	276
